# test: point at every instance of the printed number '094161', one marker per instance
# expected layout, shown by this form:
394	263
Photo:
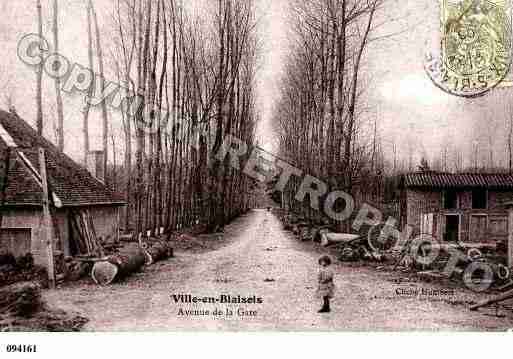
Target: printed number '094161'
21	348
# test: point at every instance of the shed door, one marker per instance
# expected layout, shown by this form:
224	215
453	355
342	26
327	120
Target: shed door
498	226
452	228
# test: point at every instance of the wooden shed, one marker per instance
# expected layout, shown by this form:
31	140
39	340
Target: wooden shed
457	207
73	191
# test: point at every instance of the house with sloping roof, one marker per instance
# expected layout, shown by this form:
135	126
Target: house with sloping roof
73	191
457	207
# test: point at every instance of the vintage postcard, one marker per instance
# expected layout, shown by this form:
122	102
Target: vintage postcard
255	165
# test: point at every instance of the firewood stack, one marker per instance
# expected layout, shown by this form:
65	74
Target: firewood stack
85	234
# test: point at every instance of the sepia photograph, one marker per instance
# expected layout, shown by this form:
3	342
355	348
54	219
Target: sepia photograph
253	166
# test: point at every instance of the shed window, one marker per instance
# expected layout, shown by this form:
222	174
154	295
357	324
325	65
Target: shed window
450	200
479	199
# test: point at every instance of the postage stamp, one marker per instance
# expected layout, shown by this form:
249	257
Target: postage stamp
475	47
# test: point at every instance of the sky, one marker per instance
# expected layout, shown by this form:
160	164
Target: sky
18	81
410	111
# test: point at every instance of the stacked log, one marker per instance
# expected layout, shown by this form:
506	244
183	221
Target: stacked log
77	269
497	299
330	238
287	226
290	221
318	231
117	266
158	251
303	231
297	227
84	234
349	254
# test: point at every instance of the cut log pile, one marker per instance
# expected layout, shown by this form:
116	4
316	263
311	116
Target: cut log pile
22	309
331	238
117	266
318	231
104	269
374	244
436	268
303	231
495	300
108	263
351	247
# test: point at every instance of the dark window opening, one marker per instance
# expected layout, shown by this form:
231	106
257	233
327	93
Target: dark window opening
479	199
450	200
452	228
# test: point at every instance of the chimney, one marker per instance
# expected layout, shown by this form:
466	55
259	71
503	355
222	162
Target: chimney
95	165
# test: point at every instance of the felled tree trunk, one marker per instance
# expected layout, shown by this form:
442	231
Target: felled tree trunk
329	238
158	251
20	299
497	299
117	267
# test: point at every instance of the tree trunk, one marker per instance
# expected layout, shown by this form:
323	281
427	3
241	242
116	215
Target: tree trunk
158	251
117	267
91	87
105	115
39	94
60	110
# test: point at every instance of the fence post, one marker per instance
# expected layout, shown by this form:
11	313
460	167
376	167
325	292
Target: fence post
47	221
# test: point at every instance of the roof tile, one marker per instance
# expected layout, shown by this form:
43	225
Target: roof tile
455	180
72	183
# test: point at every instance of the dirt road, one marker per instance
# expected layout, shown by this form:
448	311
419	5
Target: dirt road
262	260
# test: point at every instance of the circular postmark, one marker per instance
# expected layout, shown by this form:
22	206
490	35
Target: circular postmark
475	53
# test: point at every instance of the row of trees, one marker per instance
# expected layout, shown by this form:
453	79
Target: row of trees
59	105
483	143
191	73
193	70
320	113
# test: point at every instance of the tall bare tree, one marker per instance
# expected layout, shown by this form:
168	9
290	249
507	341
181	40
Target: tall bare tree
39	74
192	74
59	104
318	117
87	106
105	118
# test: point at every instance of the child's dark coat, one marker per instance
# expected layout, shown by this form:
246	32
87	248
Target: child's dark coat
326	287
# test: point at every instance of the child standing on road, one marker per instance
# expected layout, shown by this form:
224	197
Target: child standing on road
326	287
